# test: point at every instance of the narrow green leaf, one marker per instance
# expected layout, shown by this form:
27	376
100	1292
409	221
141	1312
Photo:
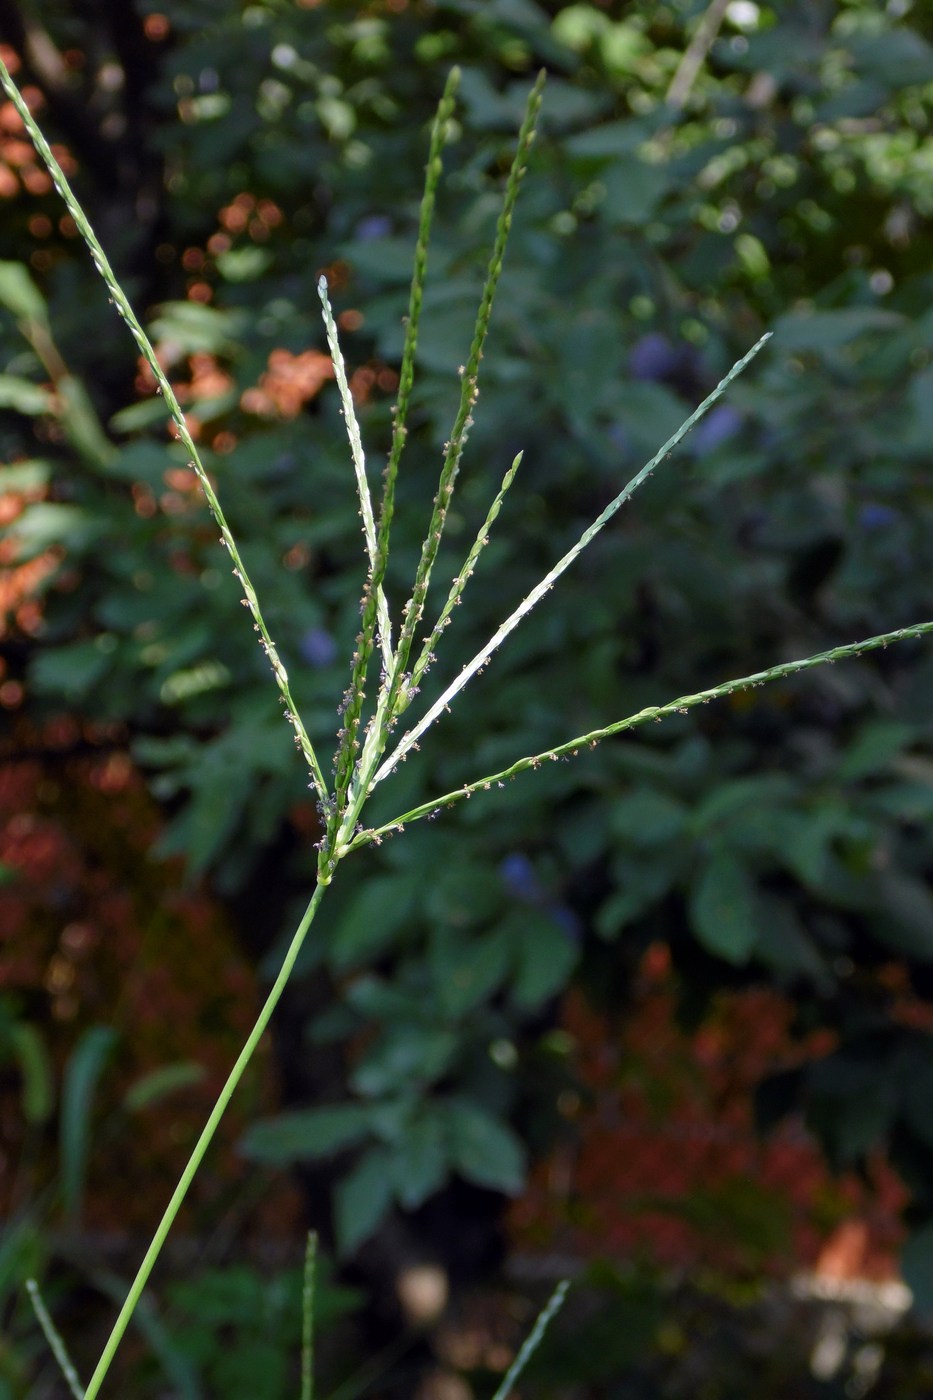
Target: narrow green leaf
24	396
160	1083
36	1068
82	1074
19	293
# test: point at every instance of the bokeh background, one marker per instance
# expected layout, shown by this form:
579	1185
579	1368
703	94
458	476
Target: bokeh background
659	1019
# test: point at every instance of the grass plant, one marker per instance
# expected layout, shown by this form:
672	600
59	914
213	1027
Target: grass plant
368	747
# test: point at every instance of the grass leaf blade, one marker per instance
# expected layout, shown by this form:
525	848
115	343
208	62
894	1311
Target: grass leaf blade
82	1073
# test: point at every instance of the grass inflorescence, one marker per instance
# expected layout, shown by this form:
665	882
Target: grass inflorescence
364	755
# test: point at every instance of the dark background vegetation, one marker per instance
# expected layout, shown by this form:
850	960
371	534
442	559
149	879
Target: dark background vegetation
158	837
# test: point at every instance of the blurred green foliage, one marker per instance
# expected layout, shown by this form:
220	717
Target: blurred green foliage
664	225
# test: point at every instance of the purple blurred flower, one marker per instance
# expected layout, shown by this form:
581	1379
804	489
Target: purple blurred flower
653	357
876	517
568	922
718	426
373	226
520	878
318	647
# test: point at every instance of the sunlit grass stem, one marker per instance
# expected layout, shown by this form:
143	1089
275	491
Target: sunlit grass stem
201	1146
533	1340
55	1340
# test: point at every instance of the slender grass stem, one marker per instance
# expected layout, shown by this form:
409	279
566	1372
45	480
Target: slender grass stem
653	712
533	1340
119	299
203	1142
550	578
55	1340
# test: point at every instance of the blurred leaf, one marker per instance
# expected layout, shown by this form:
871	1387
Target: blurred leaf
724	912
849	1103
36	1068
362	1198
306	1133
897	56
646	817
641	881
546	954
82	424
917	1267
404	1056
466	970
45	524
19	293
25	476
379	999
903	917
463	893
482	1148
783	944
375	915
82	1074
189	327
830	330
24	396
634	190
160	1083
419	1162
878	742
